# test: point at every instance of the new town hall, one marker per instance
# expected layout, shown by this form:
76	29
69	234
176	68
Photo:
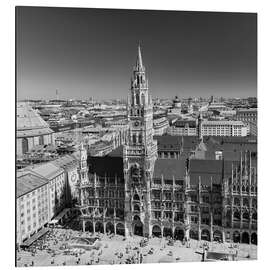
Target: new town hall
189	187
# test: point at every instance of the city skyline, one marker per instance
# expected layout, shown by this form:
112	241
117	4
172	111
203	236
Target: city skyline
87	52
172	179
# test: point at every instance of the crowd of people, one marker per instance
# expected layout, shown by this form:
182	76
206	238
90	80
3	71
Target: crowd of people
54	249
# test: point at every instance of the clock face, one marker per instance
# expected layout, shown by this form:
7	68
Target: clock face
137	123
73	177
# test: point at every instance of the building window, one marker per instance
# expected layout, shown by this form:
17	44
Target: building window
168	196
167	215
137	99
137	208
134	138
24	145
194	219
205	221
205	199
140	138
157	215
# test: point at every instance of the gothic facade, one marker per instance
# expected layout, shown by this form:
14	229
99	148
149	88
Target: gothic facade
133	191
139	154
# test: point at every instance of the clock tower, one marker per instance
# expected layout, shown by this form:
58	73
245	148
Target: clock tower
139	155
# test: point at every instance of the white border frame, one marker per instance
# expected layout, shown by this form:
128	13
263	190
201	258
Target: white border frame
8	117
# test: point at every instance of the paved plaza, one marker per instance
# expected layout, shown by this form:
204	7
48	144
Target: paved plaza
52	249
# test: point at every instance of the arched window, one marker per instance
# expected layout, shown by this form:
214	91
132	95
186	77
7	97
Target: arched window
138	79
143	99
136	218
246	215
243	189
140	138
236	201
245	202
236	215
136	197
134	138
137	99
136	208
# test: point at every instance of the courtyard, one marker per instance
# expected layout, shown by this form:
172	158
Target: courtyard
54	249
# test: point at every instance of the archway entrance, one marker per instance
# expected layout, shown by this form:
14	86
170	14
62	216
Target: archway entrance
217	236
254	238
205	235
236	237
245	238
120	229
99	227
156	231
109	228
167	232
138	228
179	234
193	235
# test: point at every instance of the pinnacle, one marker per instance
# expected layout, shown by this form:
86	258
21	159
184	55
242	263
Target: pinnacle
139	63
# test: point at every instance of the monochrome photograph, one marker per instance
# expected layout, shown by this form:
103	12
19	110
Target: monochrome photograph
136	136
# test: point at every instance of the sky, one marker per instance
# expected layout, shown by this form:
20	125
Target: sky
91	52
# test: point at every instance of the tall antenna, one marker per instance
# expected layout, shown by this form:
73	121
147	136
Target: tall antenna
57	94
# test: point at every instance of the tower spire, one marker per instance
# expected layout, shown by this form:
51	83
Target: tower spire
139	63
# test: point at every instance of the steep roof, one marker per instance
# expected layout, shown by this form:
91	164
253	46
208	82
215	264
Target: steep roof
117	152
207	169
190	142
107	165
170	168
139	63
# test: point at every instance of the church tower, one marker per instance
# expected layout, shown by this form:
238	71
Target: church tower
139	155
82	174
